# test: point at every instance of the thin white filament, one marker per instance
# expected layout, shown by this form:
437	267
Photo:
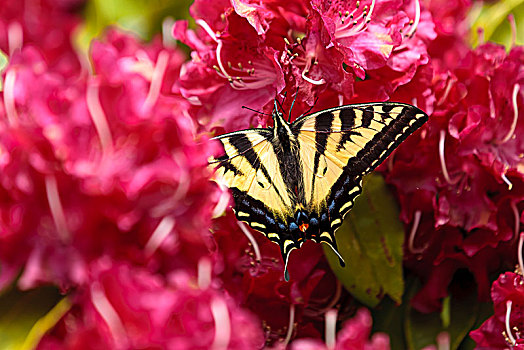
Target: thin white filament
291	325
517	219
204	273
516	89
57	210
9	97
306	69
442	158
98	116
15	37
414	228
207	28
331	326
223	201
156	80
109	314
506	180
220	314
159	235
167	38
251	239
508	328
519	253
417	19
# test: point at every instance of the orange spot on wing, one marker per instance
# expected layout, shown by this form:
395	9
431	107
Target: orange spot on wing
303	227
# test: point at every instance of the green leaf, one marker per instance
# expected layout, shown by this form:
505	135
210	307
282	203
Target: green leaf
370	241
26	316
460	313
4	60
492	17
143	17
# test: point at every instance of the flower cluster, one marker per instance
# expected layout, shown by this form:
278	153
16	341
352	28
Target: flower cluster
105	190
504	328
461	193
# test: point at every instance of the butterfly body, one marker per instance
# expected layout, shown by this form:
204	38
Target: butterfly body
296	181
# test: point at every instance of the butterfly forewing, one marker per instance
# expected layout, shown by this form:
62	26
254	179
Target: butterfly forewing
351	140
249	166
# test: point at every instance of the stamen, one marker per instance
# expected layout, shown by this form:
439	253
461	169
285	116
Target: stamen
417	19
449	85
442	159
204	273
443	341
517	220
109	314
519	253
167	38
251	239
57	210
516	89
508	328
9	97
163	229
156	81
331	326
334	300
340	99
223	201
414	228
207	28
15	37
306	70
222	320
513	25
291	325
505	179
97	114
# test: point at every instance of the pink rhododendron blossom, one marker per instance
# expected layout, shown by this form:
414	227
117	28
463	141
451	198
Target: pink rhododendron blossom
461	190
504	328
129	307
354	335
46	24
118	177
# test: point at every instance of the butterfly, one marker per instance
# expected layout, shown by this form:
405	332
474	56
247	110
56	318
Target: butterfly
295	181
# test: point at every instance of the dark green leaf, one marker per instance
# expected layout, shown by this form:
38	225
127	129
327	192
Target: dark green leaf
26	316
370	241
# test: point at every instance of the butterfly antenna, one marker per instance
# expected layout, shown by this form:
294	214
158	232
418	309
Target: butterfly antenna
279	104
253	110
292	104
310	108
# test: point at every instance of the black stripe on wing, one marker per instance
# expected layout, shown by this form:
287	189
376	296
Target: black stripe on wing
386	140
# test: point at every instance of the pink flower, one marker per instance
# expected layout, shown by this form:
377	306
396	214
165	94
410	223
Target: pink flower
460	191
129	307
104	165
46	24
504	328
354	335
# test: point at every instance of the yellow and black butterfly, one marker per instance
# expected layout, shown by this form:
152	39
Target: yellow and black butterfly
296	181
